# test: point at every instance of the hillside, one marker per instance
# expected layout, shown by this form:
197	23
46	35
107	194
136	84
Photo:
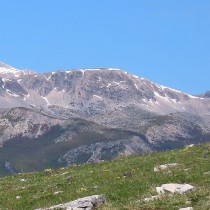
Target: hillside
125	182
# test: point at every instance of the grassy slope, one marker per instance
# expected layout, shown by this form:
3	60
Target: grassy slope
107	178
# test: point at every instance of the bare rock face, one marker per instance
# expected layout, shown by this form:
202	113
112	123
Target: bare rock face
206	94
87	203
22	122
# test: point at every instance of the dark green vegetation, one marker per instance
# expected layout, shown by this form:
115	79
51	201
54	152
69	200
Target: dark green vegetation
32	190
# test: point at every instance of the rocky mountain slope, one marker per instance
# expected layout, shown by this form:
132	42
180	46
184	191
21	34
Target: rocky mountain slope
87	115
206	94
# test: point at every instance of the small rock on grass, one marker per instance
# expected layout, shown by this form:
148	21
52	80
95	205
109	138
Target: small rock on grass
207	173
191	145
174	188
187	208
165	166
152	198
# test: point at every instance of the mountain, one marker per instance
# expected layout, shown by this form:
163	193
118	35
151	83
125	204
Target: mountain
87	115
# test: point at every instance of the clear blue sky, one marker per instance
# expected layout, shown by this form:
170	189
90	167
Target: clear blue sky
166	41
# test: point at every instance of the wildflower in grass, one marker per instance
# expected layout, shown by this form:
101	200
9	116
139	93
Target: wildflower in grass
48	170
83	189
118	177
185	149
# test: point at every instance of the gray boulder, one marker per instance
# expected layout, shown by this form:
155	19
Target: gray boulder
86	203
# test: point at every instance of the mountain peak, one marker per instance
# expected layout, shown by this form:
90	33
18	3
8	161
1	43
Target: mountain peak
8	70
5	68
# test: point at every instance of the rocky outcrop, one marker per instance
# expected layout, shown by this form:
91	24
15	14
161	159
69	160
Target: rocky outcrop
87	203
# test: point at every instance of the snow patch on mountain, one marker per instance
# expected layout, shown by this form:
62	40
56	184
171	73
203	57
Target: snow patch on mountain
99	97
8	70
5	69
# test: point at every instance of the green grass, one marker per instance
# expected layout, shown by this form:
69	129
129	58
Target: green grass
107	178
